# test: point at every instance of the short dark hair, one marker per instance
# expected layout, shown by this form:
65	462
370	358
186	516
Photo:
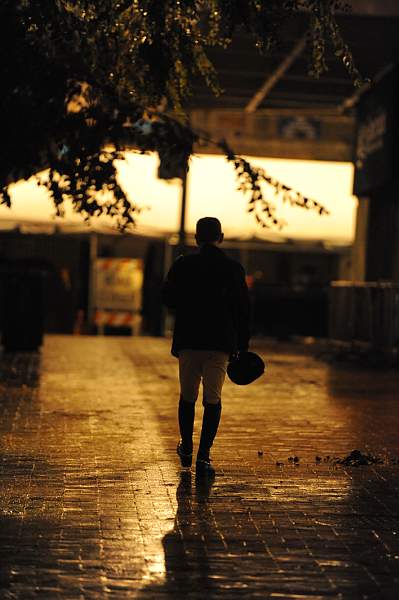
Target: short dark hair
209	229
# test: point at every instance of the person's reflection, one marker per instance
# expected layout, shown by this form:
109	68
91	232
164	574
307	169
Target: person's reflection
187	565
186	554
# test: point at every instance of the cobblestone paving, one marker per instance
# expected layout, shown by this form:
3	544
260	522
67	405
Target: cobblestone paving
94	505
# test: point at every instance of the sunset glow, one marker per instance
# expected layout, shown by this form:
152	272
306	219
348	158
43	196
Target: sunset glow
212	191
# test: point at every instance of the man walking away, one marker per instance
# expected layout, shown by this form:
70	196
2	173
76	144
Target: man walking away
208	293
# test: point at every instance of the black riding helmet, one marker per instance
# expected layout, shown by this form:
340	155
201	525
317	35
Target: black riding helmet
245	367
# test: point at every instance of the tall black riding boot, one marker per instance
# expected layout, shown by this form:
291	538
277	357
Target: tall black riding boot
210	424
186	425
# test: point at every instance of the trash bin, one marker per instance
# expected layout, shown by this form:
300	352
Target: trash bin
23	310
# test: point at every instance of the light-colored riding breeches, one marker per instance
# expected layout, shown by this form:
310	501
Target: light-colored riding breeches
208	365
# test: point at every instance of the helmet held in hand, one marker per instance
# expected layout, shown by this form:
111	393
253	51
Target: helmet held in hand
245	367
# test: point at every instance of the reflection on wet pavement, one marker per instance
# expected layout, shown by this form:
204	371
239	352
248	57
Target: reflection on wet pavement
94	505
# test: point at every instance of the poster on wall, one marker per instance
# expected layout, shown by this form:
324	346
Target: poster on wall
118	292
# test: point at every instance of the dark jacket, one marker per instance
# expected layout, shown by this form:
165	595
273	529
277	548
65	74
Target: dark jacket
209	295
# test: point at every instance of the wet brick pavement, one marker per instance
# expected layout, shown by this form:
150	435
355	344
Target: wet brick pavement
94	505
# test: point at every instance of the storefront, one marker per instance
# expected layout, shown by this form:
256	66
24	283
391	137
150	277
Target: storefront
365	310
98	280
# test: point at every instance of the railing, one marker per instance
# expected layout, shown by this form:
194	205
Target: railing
365	314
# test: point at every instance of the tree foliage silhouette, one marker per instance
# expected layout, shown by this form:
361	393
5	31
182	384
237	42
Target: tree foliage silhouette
82	80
